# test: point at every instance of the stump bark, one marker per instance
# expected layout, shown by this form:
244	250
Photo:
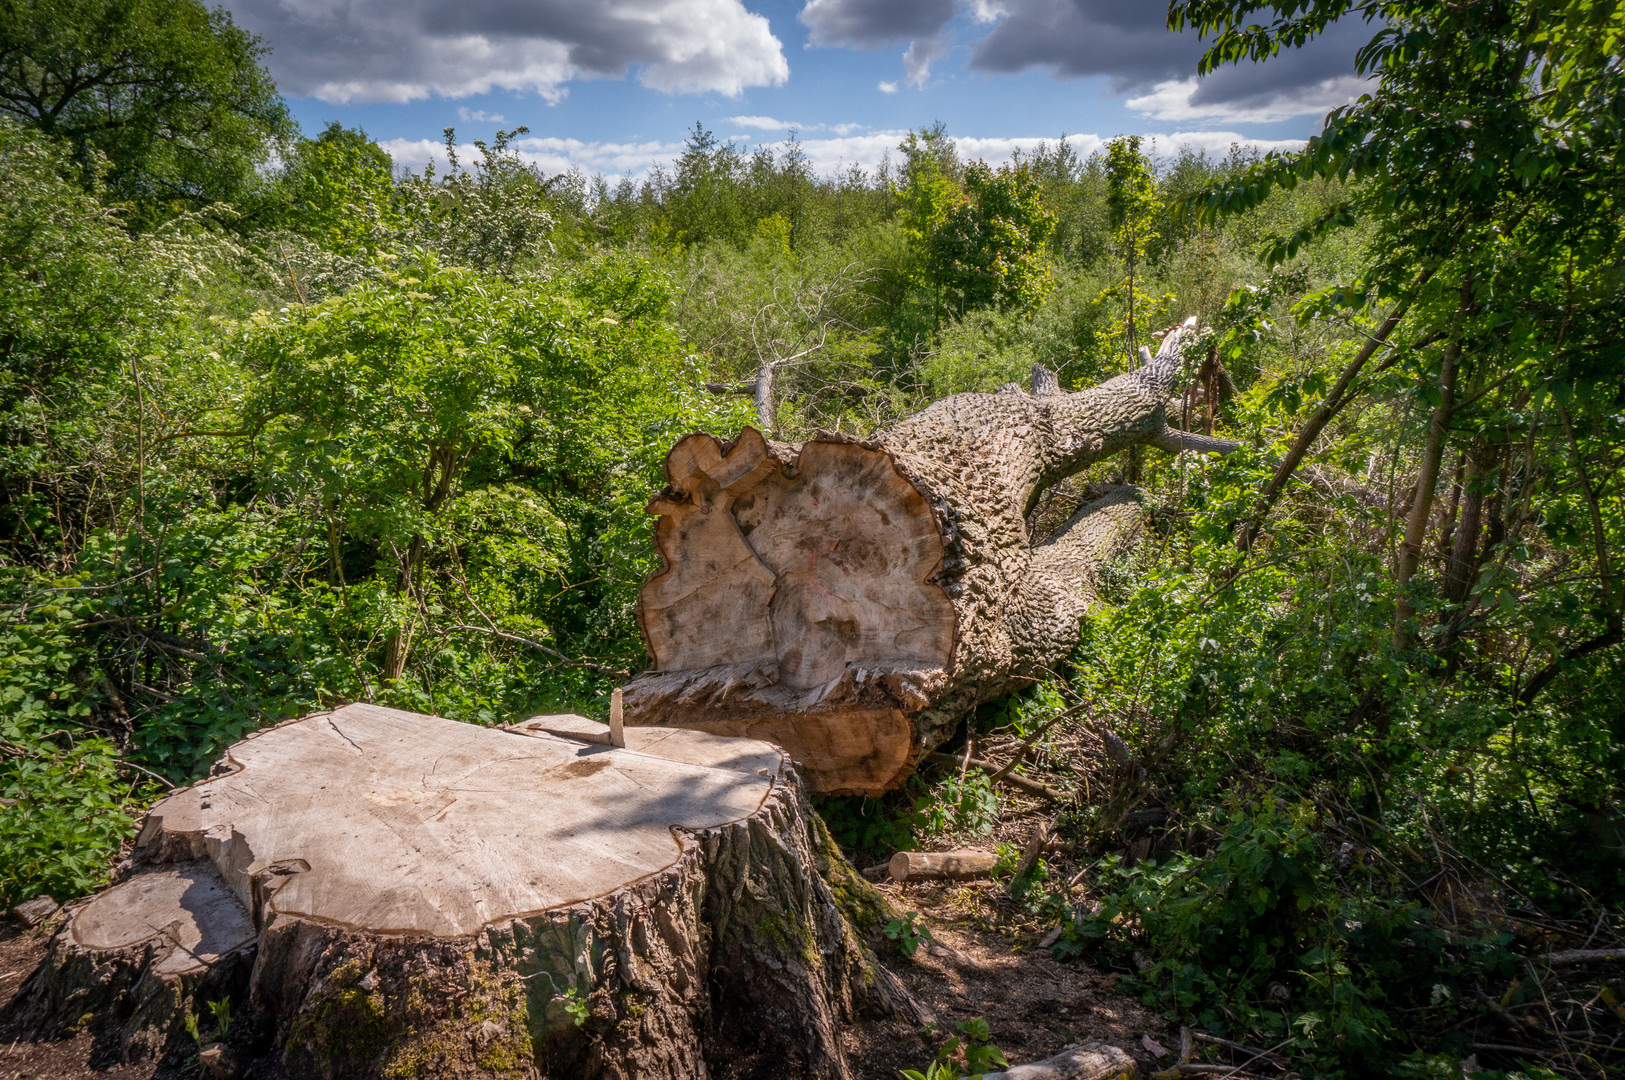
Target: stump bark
851	599
387	894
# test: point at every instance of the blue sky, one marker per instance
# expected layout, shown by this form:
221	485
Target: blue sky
613	86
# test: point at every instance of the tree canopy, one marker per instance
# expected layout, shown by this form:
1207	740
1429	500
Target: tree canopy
170	92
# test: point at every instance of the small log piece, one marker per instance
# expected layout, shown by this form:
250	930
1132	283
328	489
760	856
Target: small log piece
850	600
937	865
1033	850
1089	1061
217	1060
387	894
35	911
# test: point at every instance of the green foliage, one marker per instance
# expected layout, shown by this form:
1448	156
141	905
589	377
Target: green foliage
988	246
917	813
170	92
1267	937
1132	204
495	217
704	199
978	354
64	800
966	1055
576	1007
965	806
72	297
908	931
871	826
929	185
338	190
377	401
220	1011
1332	775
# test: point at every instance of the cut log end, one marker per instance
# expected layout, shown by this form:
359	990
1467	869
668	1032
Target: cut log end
799	567
851	600
813	574
381	889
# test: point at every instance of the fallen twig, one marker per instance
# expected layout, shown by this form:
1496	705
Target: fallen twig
1027	744
548	649
1583	956
1015	780
1251	1051
170	784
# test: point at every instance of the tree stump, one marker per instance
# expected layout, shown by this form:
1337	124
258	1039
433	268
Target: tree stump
387	894
851	599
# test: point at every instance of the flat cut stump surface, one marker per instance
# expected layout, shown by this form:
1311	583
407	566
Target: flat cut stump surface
400	823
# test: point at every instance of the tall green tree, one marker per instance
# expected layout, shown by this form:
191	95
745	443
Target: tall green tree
704	200
1487	160
495	216
988	246
75	300
388	408
1133	205
171	92
338	190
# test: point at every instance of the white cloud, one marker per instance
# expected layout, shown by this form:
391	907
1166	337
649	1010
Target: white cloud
831	154
550	155
886	87
922	52
1217	143
763	123
866	24
1179	101
479	116
345	51
826	155
1128	42
768	123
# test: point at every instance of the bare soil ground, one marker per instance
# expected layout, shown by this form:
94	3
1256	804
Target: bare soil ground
20	952
979	965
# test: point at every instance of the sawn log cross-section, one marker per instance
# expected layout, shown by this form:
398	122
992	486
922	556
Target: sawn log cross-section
851	599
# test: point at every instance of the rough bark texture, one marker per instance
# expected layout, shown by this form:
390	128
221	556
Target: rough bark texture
935	865
1091	1061
850	599
718	940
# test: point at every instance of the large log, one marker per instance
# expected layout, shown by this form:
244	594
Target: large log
851	599
389	894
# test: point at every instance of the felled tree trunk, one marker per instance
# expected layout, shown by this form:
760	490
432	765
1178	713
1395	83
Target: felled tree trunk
389	894
851	599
